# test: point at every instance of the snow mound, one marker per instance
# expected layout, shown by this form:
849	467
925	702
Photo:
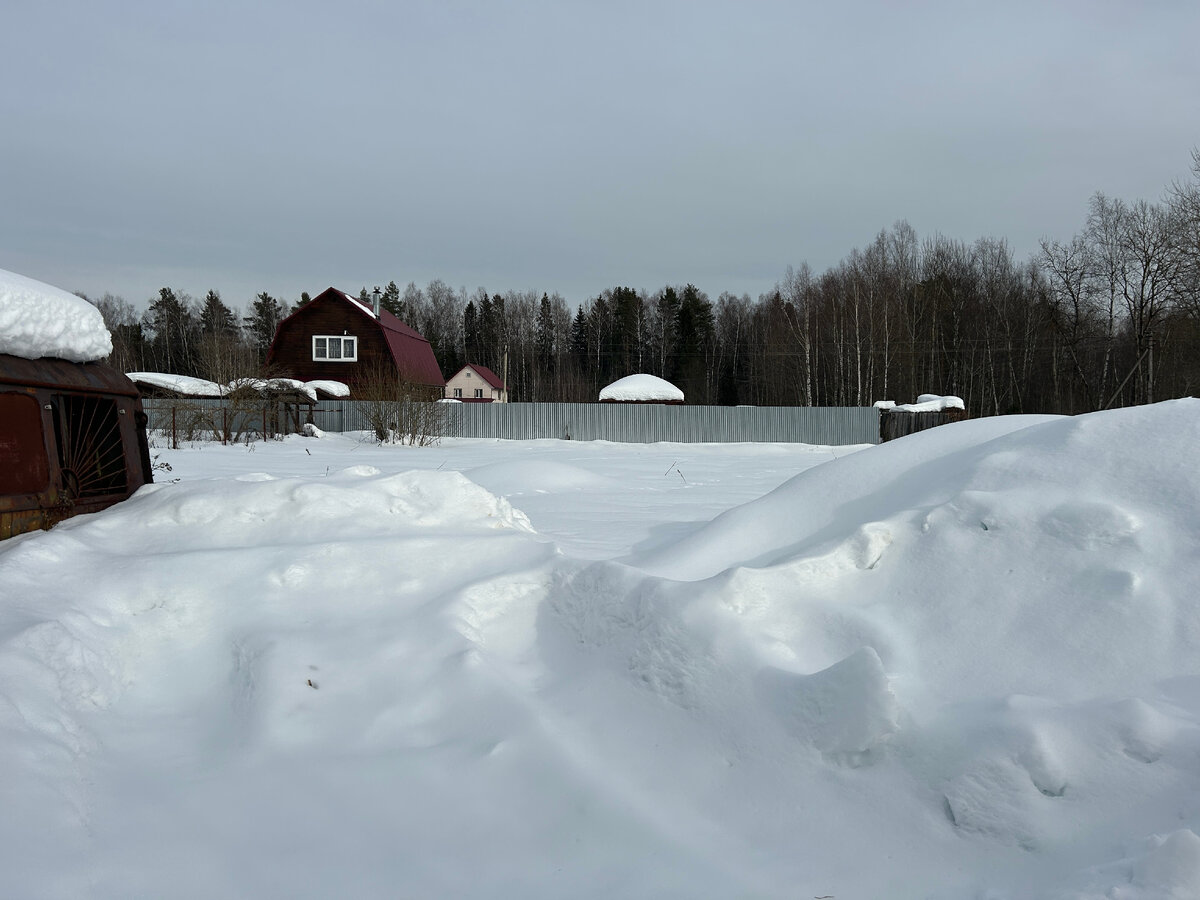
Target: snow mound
832	500
958	665
845	710
641	387
1027	586
1165	867
543	476
38	320
1075	535
357	503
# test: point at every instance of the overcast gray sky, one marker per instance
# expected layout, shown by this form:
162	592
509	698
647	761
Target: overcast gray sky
288	146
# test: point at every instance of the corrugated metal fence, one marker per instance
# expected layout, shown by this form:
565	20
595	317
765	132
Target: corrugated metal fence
630	423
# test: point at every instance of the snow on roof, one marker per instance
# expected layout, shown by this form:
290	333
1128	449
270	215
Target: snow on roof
180	384
332	388
932	403
273	384
39	320
641	387
367	309
197	387
284	384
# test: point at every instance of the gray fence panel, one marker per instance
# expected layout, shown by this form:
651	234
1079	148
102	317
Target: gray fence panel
628	423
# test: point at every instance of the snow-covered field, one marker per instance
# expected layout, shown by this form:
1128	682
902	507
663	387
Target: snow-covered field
965	664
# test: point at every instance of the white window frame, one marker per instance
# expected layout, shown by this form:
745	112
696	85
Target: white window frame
344	341
478	393
458	392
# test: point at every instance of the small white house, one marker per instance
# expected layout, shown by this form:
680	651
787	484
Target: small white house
476	384
641	389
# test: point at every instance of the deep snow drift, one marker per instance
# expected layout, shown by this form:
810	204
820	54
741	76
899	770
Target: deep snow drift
963	664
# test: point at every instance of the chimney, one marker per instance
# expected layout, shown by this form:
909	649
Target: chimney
375	296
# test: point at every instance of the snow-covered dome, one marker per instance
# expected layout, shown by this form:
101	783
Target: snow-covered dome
38	320
642	388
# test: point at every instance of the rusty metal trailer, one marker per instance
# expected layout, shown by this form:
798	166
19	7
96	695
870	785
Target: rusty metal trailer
72	440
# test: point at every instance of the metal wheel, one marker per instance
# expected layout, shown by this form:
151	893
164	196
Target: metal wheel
91	456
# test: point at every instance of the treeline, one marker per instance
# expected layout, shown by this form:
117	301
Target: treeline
1110	317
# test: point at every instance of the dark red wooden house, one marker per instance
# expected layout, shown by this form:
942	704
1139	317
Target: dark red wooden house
336	336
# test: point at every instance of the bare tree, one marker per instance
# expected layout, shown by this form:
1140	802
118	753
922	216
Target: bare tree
398	411
122	322
1184	200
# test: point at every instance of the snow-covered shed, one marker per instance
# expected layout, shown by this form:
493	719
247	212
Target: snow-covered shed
929	411
641	388
72	430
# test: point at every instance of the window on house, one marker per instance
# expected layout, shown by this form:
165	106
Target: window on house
458	392
335	349
478	392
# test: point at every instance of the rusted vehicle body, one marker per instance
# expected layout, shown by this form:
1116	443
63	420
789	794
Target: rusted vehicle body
72	440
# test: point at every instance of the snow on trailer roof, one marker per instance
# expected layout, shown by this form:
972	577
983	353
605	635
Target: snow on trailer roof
641	387
39	320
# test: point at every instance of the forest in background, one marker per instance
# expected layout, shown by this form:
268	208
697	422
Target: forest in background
1108	318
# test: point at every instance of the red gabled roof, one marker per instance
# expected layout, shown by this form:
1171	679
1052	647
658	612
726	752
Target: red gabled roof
413	354
486	374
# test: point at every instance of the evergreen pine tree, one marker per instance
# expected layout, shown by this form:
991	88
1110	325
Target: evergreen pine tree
174	329
216	318
544	336
391	300
471	332
265	316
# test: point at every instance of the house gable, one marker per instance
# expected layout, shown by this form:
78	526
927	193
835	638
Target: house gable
476	383
383	343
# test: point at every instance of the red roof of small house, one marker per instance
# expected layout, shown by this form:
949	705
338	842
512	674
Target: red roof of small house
486	374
